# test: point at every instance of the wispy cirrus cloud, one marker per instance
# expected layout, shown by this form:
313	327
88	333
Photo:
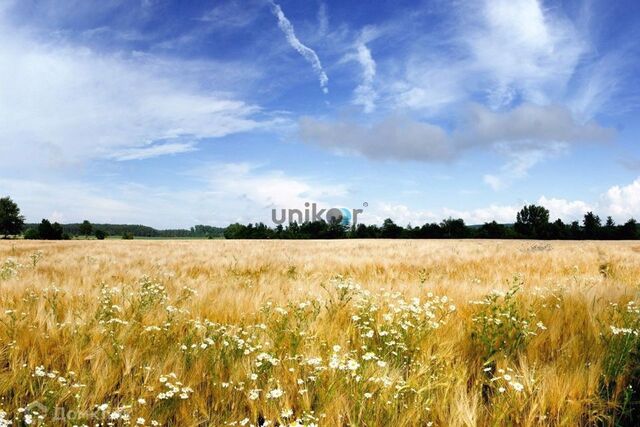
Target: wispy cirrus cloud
499	52
231	15
307	53
155	150
524	50
520	159
365	94
323	19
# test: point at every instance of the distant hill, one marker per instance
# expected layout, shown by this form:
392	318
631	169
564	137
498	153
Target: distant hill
139	230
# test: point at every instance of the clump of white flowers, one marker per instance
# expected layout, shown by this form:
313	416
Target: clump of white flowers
9	268
173	388
275	393
507	379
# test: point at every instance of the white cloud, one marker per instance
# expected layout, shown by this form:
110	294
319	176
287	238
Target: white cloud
622	202
403	214
505	51
524	49
599	82
399	213
566	210
69	103
521	157
232	14
494	181
323	19
430	85
498	213
365	94
267	188
306	52
154	150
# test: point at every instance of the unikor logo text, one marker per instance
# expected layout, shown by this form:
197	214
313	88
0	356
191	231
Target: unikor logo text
311	213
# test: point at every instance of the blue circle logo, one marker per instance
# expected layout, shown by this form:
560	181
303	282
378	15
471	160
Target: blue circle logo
346	216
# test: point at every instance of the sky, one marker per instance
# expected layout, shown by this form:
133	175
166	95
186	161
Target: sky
172	113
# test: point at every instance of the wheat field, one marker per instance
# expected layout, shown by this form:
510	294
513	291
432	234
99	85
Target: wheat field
319	333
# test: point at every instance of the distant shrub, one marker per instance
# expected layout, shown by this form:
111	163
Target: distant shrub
127	236
31	234
85	228
100	235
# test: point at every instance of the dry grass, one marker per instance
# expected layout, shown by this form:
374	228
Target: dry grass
247	333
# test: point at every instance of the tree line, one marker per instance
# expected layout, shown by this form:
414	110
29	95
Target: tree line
137	230
532	222
12	224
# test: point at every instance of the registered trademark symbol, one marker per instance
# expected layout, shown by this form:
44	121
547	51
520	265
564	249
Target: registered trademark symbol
365	204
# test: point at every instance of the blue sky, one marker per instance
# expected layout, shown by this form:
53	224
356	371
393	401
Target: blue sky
173	113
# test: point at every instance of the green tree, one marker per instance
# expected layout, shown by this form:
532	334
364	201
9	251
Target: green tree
45	229
48	231
493	230
293	230
431	231
574	230
363	231
336	229
592	225
454	228
235	231
100	235
609	231
390	230
533	221
11	222
629	230
558	230
86	228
